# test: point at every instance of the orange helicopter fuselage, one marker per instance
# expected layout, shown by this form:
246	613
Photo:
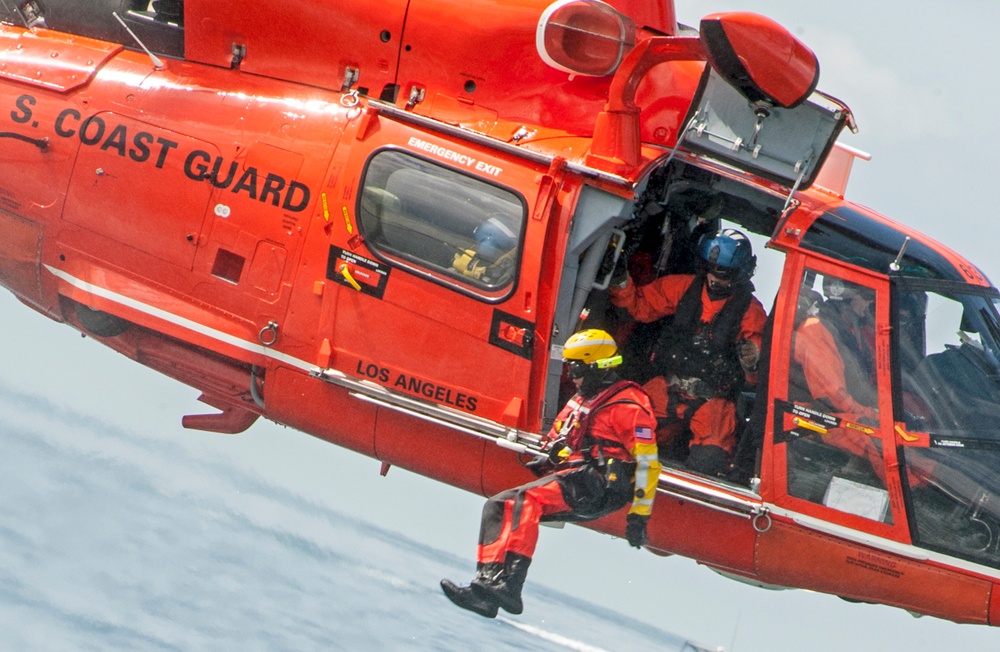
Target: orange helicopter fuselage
249	219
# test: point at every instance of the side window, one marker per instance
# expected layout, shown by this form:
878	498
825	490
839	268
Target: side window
446	223
831	422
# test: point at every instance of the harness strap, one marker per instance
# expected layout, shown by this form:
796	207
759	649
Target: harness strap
588	441
713	360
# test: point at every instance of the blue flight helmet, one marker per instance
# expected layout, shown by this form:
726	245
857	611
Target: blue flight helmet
494	239
727	255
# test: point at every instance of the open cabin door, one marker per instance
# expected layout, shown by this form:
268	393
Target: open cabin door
787	145
434	285
829	452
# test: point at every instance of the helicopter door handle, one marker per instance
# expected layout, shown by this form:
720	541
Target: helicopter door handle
809	425
346	273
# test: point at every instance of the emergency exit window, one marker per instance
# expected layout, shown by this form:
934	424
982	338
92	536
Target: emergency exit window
450	224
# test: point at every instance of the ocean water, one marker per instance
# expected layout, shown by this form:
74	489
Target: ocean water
115	540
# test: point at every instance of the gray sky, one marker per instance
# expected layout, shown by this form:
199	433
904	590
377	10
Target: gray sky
921	79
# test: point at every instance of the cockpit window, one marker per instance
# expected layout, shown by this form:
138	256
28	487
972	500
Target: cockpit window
449	224
947	348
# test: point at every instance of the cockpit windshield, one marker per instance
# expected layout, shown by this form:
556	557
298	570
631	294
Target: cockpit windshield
949	361
947	347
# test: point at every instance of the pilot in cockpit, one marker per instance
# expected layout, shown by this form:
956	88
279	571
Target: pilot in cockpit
948	374
492	258
833	366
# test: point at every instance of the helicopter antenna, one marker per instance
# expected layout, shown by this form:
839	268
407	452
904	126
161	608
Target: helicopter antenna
157	63
894	265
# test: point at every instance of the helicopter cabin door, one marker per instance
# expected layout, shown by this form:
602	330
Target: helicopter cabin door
829	455
436	275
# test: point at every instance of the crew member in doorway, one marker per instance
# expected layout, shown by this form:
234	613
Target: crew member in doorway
600	456
707	354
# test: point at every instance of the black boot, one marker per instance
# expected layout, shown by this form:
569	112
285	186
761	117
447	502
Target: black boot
467	597
472	598
505	587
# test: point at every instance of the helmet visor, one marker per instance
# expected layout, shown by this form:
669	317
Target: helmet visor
578	368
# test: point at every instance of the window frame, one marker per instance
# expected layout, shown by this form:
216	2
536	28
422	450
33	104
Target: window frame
774	464
426	269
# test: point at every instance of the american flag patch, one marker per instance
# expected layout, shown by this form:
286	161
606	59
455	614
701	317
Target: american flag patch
645	434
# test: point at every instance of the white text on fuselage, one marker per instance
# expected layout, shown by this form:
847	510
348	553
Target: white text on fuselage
455	157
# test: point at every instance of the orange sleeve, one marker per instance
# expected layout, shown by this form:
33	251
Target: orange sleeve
752	327
654	300
816	350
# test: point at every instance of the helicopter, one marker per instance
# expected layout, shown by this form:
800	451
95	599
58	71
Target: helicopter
385	250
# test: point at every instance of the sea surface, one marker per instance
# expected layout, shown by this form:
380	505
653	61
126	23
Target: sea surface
116	540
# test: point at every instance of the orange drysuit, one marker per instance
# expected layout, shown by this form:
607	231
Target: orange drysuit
709	412
613	463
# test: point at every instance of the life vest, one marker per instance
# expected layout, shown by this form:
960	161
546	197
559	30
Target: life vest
576	427
691	348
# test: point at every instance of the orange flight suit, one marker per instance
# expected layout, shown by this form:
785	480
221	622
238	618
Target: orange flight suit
828	374
711	419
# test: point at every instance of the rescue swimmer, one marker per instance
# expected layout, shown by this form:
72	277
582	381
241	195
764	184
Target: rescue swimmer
704	357
601	456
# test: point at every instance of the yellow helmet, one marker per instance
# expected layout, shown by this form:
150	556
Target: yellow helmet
592	349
